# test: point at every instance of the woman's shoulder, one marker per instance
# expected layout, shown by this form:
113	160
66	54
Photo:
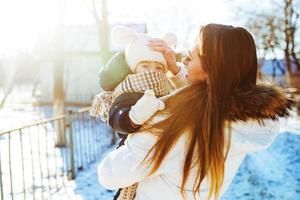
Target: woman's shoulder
253	135
141	138
266	125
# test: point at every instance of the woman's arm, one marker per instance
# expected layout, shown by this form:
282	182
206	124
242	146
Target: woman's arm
121	167
177	71
178	79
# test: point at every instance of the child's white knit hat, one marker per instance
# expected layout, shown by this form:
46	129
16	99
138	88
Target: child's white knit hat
136	48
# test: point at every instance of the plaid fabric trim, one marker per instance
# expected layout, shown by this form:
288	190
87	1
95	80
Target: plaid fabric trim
140	82
128	193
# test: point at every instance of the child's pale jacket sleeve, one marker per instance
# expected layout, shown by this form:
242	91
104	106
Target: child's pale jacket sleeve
120	168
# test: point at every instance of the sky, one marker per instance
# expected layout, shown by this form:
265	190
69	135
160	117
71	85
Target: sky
22	23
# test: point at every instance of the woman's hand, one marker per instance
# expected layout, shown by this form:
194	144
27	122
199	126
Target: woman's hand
145	108
169	54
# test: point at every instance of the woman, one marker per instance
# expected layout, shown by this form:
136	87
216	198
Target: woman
193	148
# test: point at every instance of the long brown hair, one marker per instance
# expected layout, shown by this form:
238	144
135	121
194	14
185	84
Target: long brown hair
228	56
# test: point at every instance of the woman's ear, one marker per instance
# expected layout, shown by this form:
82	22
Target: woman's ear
170	39
122	35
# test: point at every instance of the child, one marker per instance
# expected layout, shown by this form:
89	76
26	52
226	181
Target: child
123	108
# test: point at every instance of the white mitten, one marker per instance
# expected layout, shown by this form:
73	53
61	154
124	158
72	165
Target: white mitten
145	107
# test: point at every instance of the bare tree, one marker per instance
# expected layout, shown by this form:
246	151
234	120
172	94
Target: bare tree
7	86
290	27
59	94
16	70
100	17
276	30
265	30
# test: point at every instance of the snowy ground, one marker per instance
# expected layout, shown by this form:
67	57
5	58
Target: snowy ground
271	174
85	187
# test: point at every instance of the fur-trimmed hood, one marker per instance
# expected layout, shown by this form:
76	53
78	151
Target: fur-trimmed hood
261	102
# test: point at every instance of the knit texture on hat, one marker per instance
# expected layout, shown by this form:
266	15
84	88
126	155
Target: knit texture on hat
136	48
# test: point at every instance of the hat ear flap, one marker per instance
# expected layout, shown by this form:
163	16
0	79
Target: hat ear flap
122	35
170	39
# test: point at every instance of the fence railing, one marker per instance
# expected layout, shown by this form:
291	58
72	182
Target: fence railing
33	167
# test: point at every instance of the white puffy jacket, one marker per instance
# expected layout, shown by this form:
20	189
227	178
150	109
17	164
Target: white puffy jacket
120	168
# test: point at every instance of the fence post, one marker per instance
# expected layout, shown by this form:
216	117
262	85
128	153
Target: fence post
59	126
71	144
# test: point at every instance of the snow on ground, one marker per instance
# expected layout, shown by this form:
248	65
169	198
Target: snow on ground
86	186
273	174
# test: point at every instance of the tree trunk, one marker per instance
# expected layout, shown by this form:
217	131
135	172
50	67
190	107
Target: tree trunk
296	60
3	100
103	30
59	94
287	40
59	103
